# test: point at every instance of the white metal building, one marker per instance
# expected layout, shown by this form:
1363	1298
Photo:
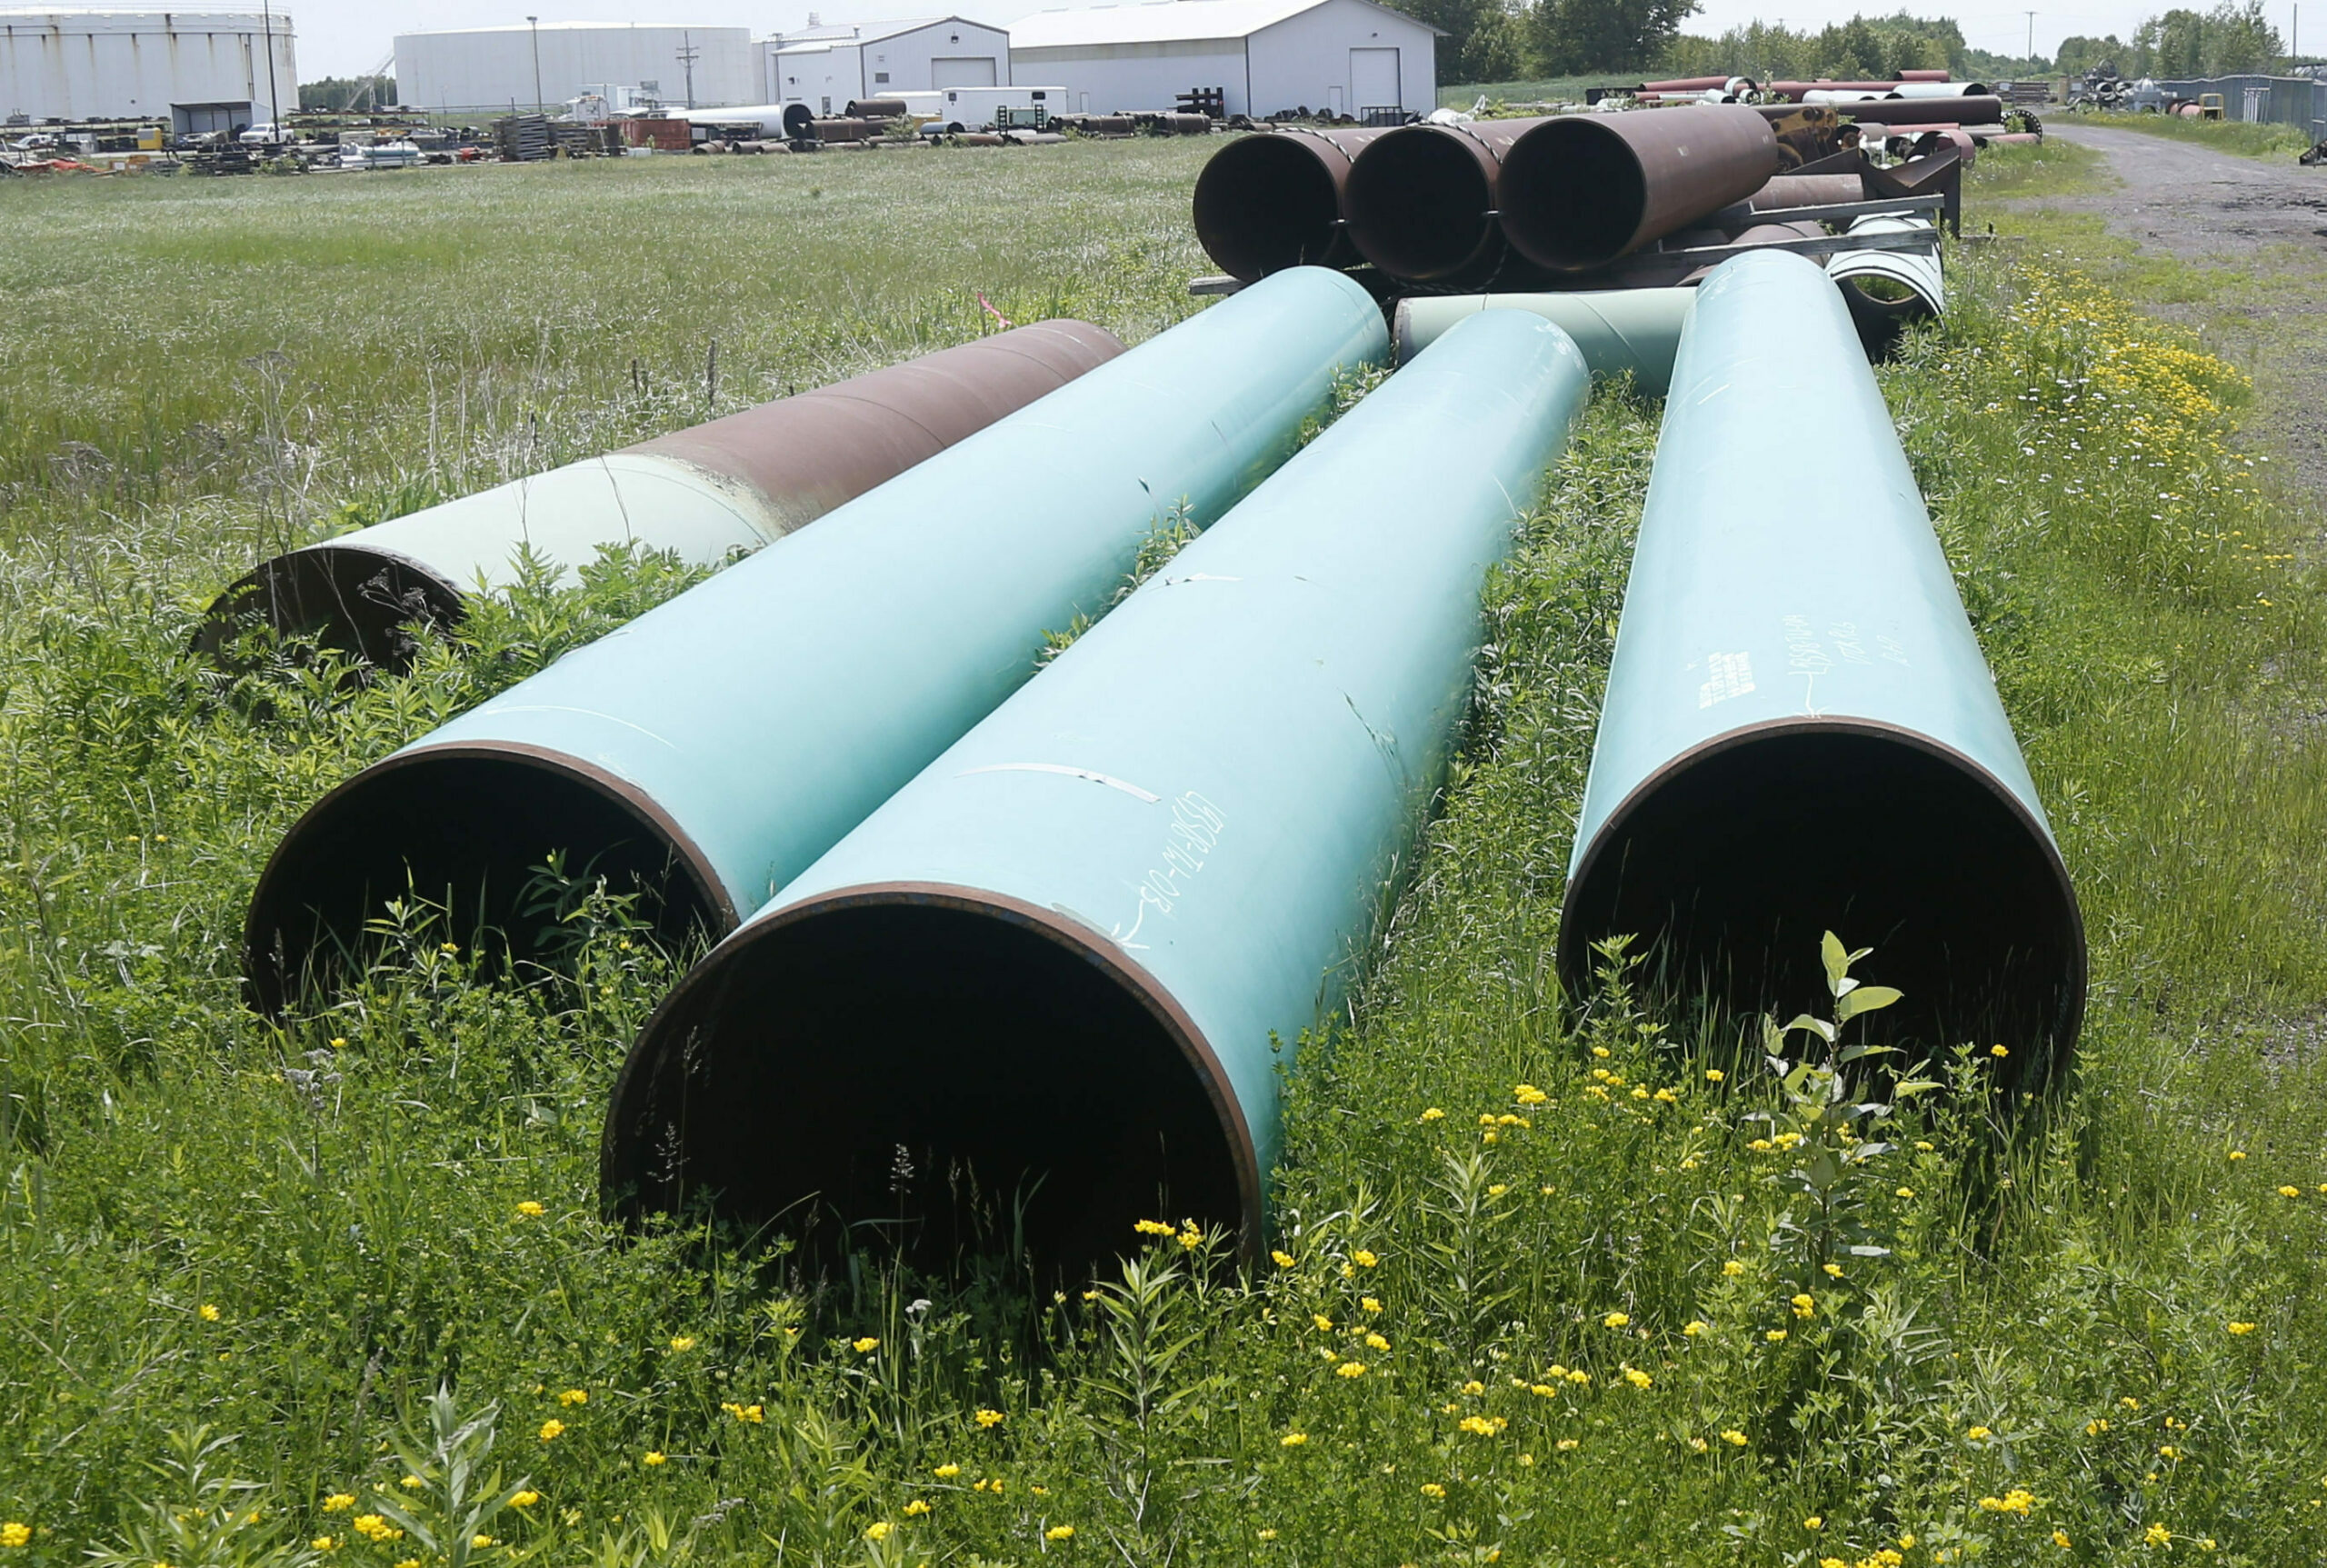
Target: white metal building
1338	56
485	70
824	67
202	70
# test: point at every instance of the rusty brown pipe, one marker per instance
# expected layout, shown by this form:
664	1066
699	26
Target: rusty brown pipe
735	483
1809	190
878	109
1422	203
1578	190
1986	110
1273	199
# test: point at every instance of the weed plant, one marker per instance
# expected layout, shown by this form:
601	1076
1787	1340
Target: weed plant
2247	140
1546	1285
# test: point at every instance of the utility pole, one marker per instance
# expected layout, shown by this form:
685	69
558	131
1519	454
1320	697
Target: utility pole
687	53
535	24
2032	37
274	103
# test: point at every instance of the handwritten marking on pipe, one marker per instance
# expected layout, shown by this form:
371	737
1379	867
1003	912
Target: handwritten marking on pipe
1188	842
1110	780
1807	657
1198	577
1728	675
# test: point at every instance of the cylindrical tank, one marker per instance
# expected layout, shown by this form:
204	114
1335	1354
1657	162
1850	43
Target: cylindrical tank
1987	111
878	109
1632	330
1273	200
1795	91
1944	89
1799	733
732	484
712	748
1809	190
1578	190
1420	203
1060	972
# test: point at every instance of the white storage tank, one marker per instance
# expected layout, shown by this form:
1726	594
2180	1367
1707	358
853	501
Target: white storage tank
198	70
479	70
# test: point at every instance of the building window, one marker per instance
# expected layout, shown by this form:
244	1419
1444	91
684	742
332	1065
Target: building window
879	76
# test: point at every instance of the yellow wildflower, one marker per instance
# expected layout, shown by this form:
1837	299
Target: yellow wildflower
1292	1440
1833	1270
946	1471
339	1503
530	1210
2235	1154
1732	1268
2241	1327
16	1533
1283	1260
1350	1369
2061	1539
1694	1327
518	1500
324	1544
1434	1114
575	1396
1579	1376
656	1456
1482	1425
1325	1324
1565	1446
1059	1533
1375	1341
1815	1522
1363	1259
2015	1500
210	1314
1474	1388
552	1427
1906	1192
1268	1535
864	1346
1616	1320
1154	1228
1369	1303
987	1419
1997	1051
2157	1535
1804	1306
1733	1437
918	1507
1714	1075
1528	1095
1776	1336
879	1530
1432	1489
683	1342
1979	1434
1637	1378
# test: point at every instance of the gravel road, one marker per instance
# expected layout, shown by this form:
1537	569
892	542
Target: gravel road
2265	218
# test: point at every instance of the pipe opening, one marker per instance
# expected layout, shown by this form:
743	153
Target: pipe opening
1574	194
1421	204
933	1071
463	828
1731	861
358	602
1267	203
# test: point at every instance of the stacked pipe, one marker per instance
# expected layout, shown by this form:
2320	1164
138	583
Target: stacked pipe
715	747
732	484
1057	974
1799	733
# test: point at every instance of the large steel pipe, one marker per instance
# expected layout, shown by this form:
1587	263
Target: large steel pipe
1580	190
1620	331
1272	201
1422	202
1799	733
1968	111
1059	972
709	751
734	484
1810	191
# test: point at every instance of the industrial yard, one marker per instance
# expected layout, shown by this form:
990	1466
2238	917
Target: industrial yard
1556	1267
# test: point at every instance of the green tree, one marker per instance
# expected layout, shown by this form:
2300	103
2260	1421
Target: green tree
1481	42
1567	37
2080	54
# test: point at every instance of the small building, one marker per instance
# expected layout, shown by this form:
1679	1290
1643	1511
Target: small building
1265	57
195	70
492	70
825	67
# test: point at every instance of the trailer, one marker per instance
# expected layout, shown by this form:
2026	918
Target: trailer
993	109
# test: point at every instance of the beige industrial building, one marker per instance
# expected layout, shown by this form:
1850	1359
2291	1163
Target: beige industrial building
195	71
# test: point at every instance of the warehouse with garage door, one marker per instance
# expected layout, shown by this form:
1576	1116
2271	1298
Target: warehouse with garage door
1263	58
824	65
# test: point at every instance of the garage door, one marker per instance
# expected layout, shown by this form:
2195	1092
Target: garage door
955	71
1373	79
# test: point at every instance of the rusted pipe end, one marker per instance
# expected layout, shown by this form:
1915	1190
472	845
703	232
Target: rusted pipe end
1270	202
1422	203
977	1070
1573	194
359	600
1730	861
463	826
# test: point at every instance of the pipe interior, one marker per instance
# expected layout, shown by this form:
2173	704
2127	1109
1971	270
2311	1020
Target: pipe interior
1265	204
1574	194
464	831
1420	203
363	603
1731	867
942	1079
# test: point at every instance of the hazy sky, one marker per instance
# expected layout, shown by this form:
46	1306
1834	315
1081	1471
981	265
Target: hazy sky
345	37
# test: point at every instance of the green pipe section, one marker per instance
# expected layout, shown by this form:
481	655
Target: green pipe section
711	750
716	490
1060	971
1620	331
1800	733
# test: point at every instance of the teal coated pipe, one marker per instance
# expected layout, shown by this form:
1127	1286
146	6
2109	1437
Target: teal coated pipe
1061	968
704	494
1800	733
715	747
1634	330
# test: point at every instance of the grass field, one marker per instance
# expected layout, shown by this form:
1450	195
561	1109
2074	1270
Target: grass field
1547	1287
2265	140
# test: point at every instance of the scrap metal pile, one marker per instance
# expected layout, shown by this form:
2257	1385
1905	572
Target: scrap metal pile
994	929
1526	211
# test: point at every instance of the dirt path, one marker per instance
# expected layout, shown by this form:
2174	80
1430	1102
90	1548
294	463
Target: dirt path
2265	220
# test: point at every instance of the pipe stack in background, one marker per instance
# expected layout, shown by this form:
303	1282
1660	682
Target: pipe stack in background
709	751
1056	972
733	484
1799	731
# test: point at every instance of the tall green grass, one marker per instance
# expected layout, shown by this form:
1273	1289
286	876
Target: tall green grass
1547	1290
2266	140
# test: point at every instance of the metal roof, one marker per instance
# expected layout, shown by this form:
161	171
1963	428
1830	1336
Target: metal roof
870	32
1164	20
